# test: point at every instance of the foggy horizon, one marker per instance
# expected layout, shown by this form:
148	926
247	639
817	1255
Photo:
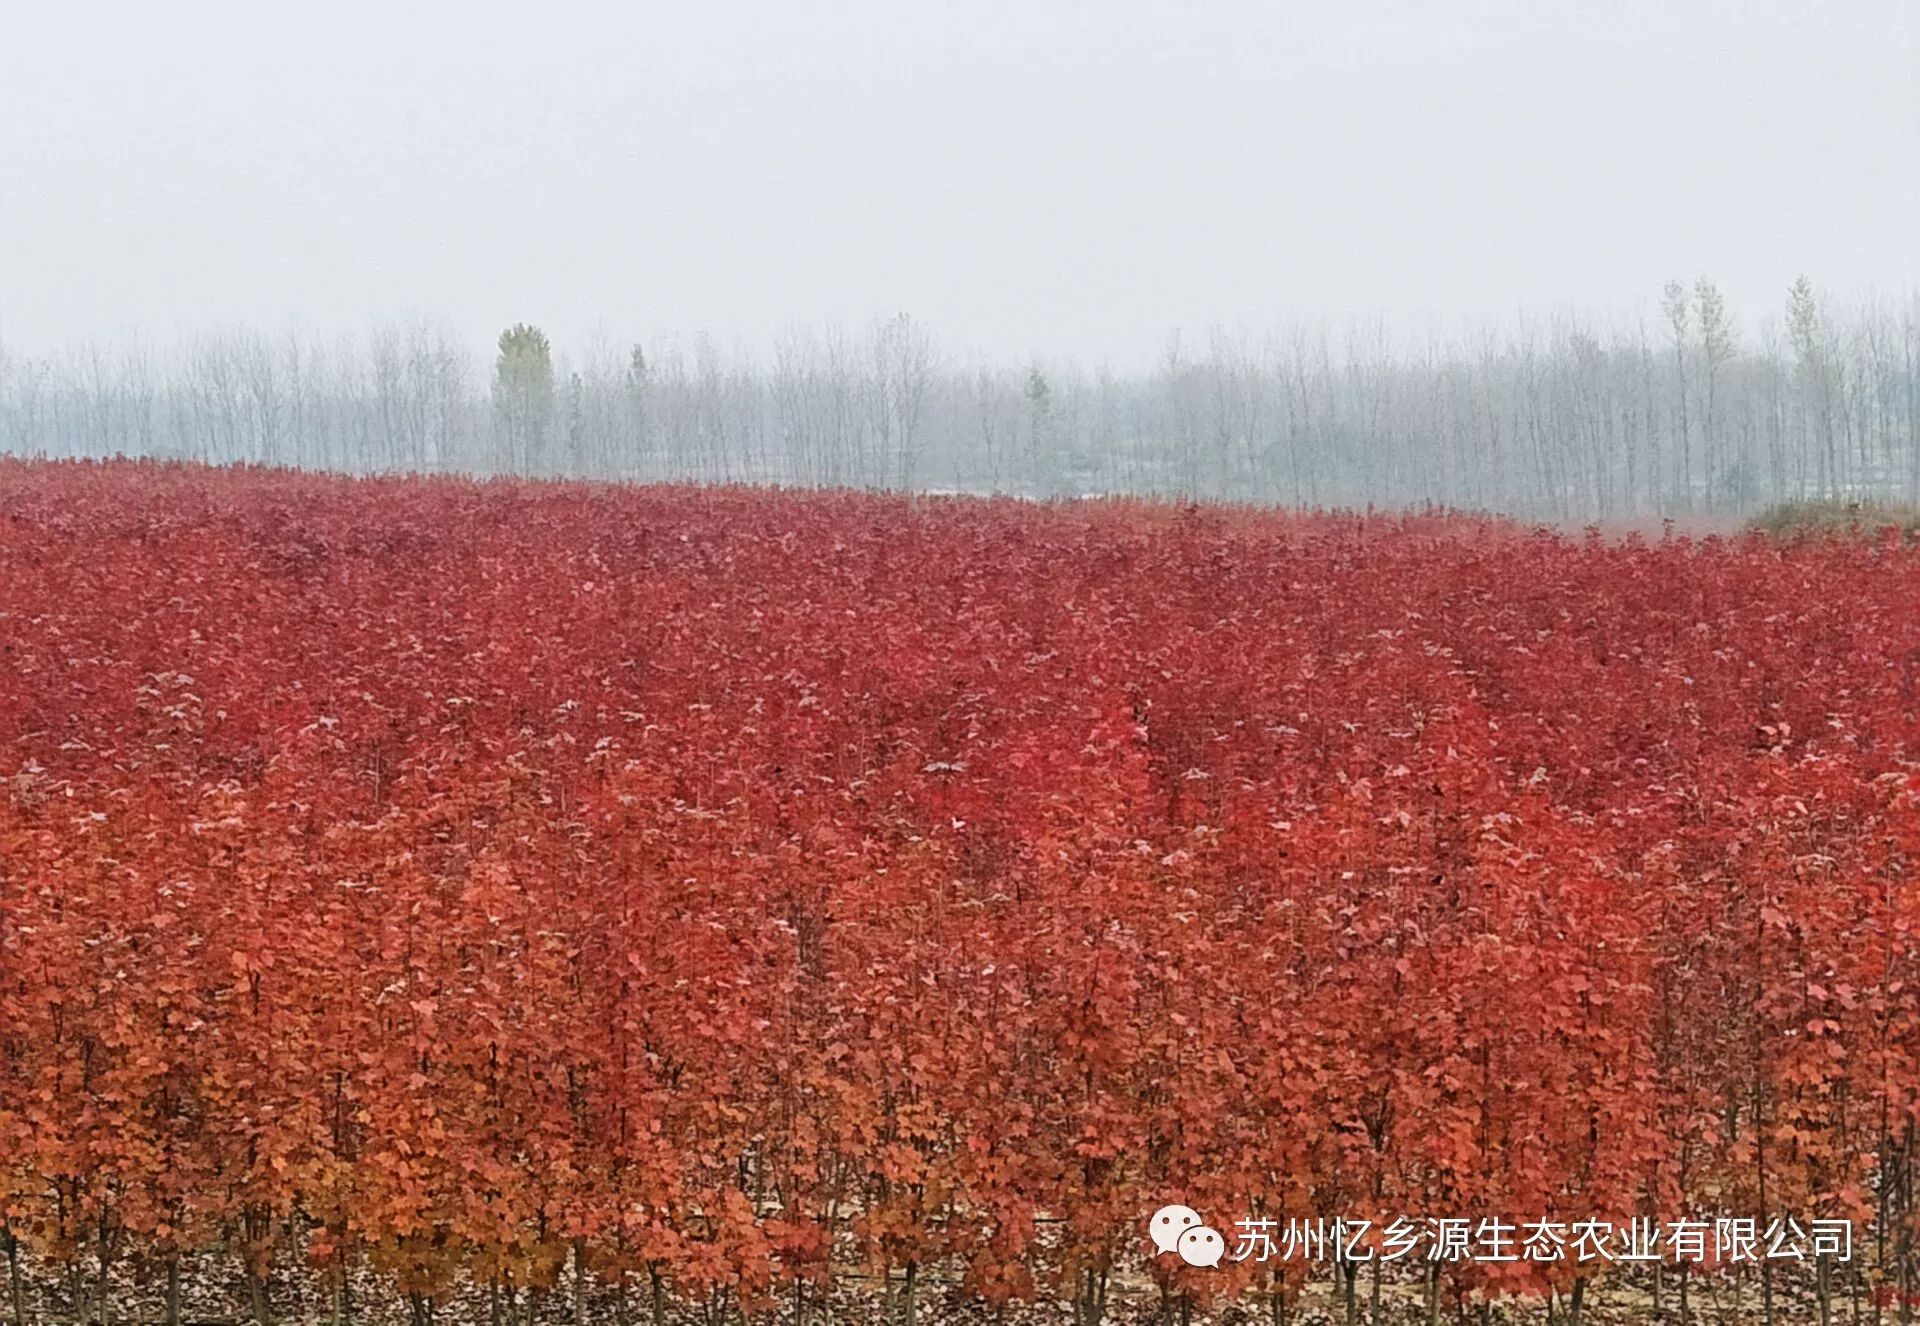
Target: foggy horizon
1059	182
1399	333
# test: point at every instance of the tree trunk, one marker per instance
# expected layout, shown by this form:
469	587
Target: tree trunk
1090	1305
257	1298
16	1283
103	1292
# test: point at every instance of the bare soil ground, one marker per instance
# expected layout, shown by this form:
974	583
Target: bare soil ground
213	1294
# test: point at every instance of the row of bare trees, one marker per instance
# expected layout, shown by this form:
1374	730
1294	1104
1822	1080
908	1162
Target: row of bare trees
1688	411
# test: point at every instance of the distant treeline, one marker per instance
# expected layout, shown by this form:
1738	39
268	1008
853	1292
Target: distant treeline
1690	410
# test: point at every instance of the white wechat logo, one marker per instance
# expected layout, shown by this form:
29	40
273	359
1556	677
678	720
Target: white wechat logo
1202	1246
1179	1229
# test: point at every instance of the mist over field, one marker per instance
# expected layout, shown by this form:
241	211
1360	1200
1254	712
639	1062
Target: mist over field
1295	253
1688	411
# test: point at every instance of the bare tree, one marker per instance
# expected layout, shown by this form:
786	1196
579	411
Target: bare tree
1716	348
896	395
1674	304
1816	395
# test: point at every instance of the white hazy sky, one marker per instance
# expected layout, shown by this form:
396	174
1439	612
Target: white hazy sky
1068	178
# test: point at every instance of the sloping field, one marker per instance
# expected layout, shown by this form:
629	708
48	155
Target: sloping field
678	900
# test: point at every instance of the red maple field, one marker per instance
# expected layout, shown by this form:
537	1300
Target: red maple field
685	901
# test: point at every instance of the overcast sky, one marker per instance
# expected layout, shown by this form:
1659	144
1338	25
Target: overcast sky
1028	176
